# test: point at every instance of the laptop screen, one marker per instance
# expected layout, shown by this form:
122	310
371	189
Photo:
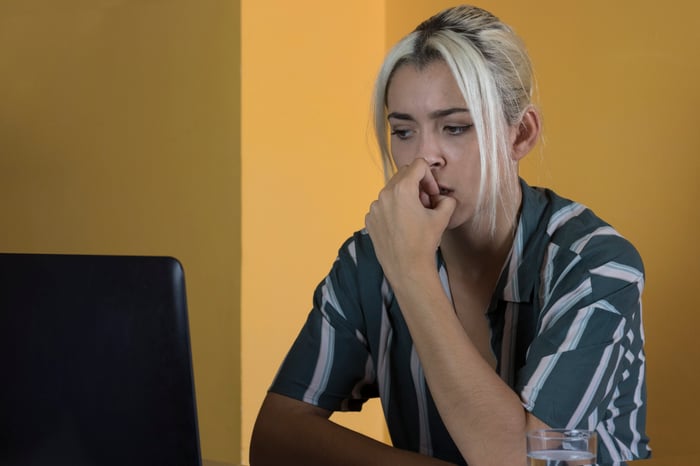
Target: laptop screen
97	365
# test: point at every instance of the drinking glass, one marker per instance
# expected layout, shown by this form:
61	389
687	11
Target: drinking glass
561	447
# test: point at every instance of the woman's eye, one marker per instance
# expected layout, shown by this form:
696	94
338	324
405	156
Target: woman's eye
456	130
401	133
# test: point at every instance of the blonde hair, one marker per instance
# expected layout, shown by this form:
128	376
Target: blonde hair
492	69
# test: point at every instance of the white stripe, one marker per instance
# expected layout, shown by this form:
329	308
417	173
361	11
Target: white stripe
545	367
548	363
324	362
360	337
328	297
512	290
539	376
593	420
425	442
621	272
383	361
577	328
565	272
636	435
610	444
597	378
581	243
605	305
445	281
548	273
614	412
353	253
565	303
564	215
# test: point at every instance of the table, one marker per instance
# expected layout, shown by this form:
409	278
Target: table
218	463
664	460
668	460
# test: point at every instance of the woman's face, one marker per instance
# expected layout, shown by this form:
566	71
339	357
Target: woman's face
429	118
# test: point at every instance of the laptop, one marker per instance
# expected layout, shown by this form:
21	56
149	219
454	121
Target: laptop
96	362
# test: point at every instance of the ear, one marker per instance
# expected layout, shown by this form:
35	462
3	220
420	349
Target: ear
526	134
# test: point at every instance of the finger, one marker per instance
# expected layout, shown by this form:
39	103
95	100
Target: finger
429	185
419	171
417	175
426	200
434	199
445	206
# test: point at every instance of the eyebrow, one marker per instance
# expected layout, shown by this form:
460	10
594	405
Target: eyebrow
433	115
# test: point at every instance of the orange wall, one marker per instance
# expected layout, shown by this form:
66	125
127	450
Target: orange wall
309	172
119	134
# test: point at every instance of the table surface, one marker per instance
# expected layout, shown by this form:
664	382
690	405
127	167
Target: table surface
218	463
668	460
680	460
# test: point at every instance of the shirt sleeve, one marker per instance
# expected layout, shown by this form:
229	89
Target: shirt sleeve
586	366
329	364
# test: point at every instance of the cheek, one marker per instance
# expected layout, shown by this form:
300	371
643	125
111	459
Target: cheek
400	156
467	156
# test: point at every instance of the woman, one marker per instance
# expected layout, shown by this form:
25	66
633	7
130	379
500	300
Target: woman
475	306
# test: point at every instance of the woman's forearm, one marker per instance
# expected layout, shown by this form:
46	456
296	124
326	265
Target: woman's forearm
292	432
483	415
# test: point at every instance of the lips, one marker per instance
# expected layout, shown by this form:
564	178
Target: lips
444	191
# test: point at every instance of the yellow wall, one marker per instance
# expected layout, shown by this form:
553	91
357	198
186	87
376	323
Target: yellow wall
308	169
119	134
619	95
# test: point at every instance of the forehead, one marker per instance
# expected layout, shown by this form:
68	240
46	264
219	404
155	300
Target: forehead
423	88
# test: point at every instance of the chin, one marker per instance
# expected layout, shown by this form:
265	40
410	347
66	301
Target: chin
463	219
456	223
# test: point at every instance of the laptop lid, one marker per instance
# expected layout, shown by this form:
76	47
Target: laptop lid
97	367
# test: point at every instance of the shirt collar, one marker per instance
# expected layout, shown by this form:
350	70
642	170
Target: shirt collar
520	272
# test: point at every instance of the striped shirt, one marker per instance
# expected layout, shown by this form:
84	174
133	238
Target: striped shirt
566	330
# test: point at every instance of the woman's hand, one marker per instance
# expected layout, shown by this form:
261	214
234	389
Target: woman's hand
408	219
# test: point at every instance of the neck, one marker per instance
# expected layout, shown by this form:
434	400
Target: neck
476	255
476	260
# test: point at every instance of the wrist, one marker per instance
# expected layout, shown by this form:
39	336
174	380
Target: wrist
411	272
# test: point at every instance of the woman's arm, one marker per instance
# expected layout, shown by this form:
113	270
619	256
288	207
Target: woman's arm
484	416
293	432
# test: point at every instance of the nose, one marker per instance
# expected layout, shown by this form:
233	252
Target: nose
430	150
